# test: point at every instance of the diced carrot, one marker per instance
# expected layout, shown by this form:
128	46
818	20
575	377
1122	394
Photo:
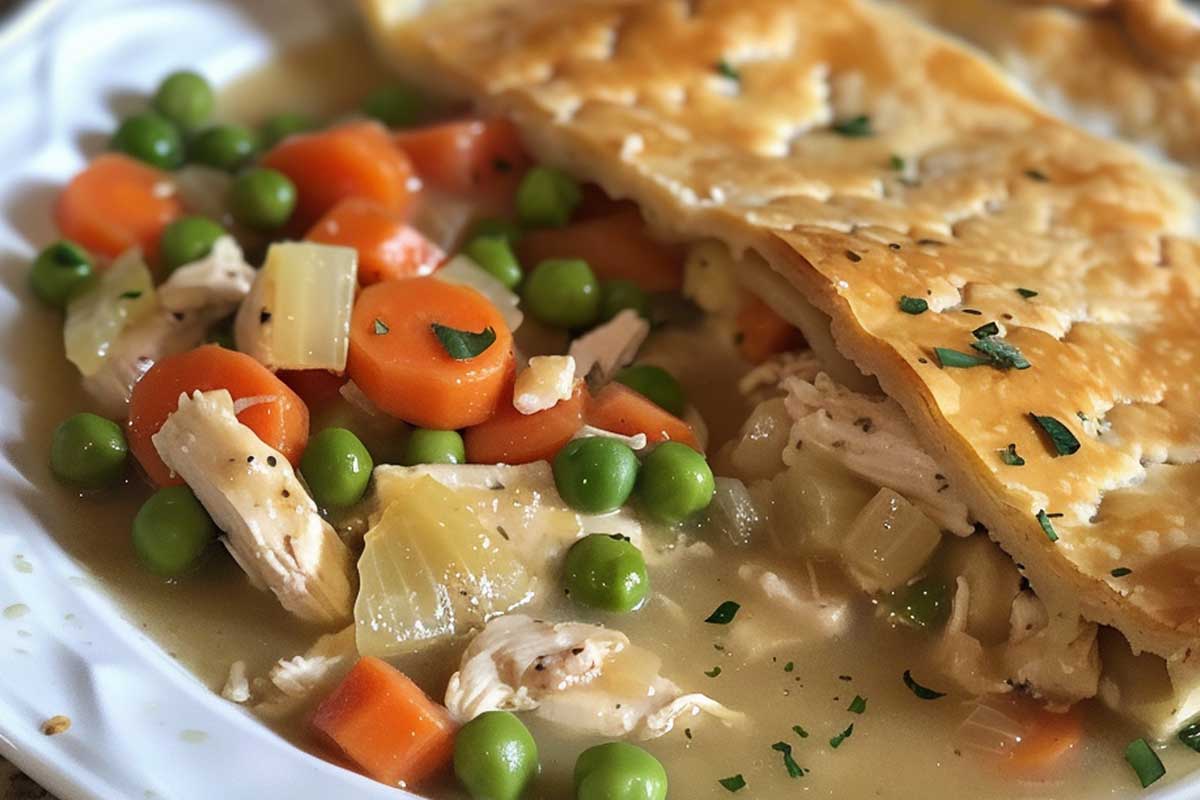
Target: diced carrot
316	387
280	420
466	156
357	159
401	365
762	333
1047	738
382	722
511	437
619	409
388	247
116	203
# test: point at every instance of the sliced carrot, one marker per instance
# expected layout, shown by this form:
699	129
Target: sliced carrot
511	437
619	409
616	246
466	156
762	333
116	203
382	722
357	159
1048	735
316	387
402	366
388	247
280	420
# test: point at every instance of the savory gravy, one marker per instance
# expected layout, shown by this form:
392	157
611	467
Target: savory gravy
900	746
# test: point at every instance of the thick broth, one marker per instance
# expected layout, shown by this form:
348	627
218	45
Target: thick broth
900	747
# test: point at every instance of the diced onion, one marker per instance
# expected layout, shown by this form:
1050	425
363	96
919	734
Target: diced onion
95	319
758	451
443	219
297	316
814	502
889	542
733	512
465	272
988	729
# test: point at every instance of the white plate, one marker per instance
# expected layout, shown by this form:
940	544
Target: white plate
142	727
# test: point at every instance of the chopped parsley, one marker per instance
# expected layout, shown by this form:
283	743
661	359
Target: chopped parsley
381	328
1190	736
1003	354
1121	572
897	163
712	673
1044	520
724	613
1036	175
789	666
1060	435
1026	293
1009	456
463	345
913	305
984	331
956	358
803	734
1145	762
131	295
855	127
794	770
836	741
734	783
858	705
727	70
919	690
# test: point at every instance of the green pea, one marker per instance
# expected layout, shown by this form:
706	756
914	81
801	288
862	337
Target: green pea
281	126
88	451
546	198
263	199
925	604
495	255
491	226
606	572
495	757
59	272
185	98
595	474
395	106
337	467
675	482
618	295
171	532
188	239
150	137
564	293
224	147
426	446
655	383
619	771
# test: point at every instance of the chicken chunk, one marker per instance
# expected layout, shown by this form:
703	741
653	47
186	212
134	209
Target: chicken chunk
584	677
194	297
271	525
543	383
872	437
961	657
1056	655
606	348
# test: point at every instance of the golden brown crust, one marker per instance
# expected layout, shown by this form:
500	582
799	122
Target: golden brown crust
994	195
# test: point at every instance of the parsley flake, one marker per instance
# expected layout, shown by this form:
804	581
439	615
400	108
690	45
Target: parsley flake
919	690
855	127
1121	572
1009	456
463	345
724	613
1026	293
1145	762
897	163
836	741
1003	354
131	295
913	305
1036	175
734	783
789	666
712	673
1190	736
727	70
858	705
381	328
956	358
1044	520
1059	434
803	734
794	770
984	331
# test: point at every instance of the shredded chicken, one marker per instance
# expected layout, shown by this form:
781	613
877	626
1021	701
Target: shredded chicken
810	611
1056	656
961	657
299	675
635	442
237	686
584	677
872	437
770	374
544	382
194	297
606	348
272	526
